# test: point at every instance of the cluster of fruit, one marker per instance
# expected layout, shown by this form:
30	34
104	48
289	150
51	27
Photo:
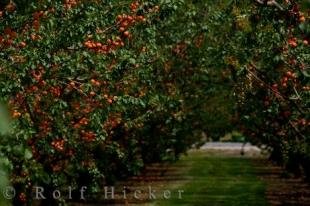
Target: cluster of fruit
110	99
123	23
58	144
7	39
45	127
112	121
134	6
304	122
82	122
36	19
55	91
9	35
288	76
293	42
306	88
95	82
109	46
68	4
88	136
16	114
22	197
10	7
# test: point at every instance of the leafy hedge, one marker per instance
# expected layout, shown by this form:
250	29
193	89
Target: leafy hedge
273	84
98	89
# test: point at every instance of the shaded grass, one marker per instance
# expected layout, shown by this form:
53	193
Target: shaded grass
217	180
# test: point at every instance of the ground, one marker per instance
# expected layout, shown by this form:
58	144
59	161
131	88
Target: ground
214	175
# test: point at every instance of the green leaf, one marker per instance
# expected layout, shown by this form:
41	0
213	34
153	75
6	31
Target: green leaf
4	120
28	154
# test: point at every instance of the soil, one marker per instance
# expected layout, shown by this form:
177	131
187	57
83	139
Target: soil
282	188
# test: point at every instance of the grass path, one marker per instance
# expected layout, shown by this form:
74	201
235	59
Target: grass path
217	180
212	178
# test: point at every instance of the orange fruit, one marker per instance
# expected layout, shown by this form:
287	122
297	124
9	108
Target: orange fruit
23	44
302	18
126	33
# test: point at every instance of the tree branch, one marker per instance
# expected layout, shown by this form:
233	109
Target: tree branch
270	3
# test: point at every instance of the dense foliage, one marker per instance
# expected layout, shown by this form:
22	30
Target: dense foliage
273	84
98	89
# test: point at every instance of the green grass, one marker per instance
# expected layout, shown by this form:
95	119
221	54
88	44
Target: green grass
218	180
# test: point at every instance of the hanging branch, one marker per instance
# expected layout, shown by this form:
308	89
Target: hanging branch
270	3
285	98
